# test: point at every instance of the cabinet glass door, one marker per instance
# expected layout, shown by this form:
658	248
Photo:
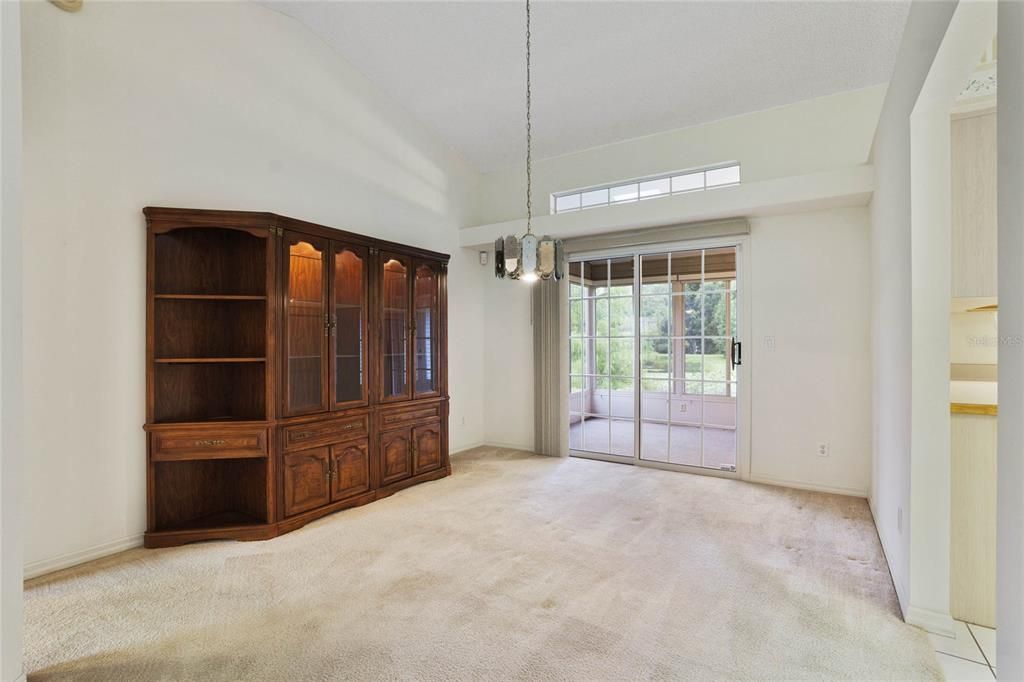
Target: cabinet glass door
306	325
348	300
394	327
425	328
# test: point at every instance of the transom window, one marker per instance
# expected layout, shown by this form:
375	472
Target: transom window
679	182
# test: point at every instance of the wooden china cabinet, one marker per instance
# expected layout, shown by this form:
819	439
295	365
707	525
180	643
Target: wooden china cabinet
292	370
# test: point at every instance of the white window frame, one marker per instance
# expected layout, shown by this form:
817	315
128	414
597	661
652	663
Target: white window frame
743	373
633	189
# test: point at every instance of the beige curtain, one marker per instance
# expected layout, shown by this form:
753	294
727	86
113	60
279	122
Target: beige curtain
550	344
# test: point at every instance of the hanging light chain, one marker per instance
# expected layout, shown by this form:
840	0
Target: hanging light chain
528	258
529	132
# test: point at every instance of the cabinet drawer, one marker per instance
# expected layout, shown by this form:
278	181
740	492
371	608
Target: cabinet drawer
220	443
410	414
323	432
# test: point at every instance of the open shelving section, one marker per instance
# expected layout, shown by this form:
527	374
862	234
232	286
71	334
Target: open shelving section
208	366
209	325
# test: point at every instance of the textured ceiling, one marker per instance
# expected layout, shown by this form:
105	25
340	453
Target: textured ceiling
603	71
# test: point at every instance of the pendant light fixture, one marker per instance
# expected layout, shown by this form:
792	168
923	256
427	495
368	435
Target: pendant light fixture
528	258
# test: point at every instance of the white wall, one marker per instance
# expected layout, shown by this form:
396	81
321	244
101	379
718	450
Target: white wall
1010	540
968	34
217	105
810	277
508	361
11	451
891	288
805	137
833	132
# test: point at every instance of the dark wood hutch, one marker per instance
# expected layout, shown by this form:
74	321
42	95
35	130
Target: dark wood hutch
292	370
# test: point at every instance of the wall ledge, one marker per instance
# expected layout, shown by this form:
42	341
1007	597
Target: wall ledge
838	188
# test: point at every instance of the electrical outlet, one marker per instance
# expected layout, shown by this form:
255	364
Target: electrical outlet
822	449
769	344
483	257
462	422
682	407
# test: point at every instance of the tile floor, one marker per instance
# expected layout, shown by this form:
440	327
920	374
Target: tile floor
969	655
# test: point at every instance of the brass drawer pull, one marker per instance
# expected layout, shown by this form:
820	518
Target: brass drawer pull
348	427
303	434
209	443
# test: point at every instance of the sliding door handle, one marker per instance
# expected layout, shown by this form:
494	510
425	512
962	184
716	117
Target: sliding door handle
737	353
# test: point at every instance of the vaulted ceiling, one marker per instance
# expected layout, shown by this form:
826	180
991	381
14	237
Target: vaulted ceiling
603	71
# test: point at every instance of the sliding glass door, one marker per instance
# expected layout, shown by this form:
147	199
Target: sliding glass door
654	355
602	338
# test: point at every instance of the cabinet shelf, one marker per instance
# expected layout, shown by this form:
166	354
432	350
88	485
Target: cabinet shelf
198	494
196	361
208	297
228	519
222	419
209	328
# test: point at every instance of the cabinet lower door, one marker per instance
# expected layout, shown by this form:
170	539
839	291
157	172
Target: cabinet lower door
395	455
427	451
307	480
351	469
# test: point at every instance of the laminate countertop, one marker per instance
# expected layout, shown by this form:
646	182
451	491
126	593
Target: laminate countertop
974	397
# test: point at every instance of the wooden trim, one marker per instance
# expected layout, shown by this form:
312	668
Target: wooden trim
985	108
974	408
172	538
68	5
163	218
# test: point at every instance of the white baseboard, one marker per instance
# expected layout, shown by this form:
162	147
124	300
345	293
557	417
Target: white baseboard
466	448
932	621
59	563
814	487
508	446
44	566
490	444
883	540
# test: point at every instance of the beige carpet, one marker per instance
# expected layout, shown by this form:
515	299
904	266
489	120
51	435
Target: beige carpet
516	567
